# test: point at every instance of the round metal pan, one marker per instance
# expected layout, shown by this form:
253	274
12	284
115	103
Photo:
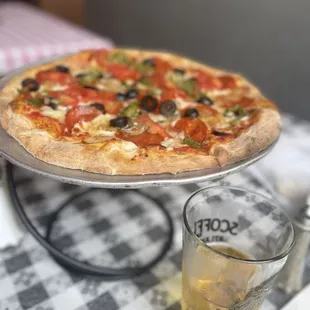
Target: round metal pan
15	153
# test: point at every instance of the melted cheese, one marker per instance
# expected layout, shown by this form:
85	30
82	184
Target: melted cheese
157	118
84	102
218	92
127	148
171	143
183	104
111	85
245	118
57	114
179	135
42	89
46	87
62	107
98	126
59	87
223	126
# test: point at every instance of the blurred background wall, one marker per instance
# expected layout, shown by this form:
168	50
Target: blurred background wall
268	41
72	10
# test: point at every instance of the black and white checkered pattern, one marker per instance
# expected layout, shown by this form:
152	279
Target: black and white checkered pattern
108	227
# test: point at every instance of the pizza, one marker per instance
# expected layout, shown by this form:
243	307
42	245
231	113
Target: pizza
135	112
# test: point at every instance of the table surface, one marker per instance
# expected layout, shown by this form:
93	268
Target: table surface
28	34
107	227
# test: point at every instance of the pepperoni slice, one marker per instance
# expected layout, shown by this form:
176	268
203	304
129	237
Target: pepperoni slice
206	108
173	93
248	103
153	128
123	72
143	139
79	114
193	128
80	92
228	82
55	77
205	80
73	94
100	56
68	96
161	68
113	107
158	80
106	95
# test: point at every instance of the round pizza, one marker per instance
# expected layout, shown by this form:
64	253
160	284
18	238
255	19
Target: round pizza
134	112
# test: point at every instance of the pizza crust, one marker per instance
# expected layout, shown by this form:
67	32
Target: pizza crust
258	137
114	157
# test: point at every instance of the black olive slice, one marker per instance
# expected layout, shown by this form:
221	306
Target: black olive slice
205	100
90	87
219	133
61	68
192	113
149	103
52	105
168	108
121	121
120	97
98	106
30	84
149	62
80	75
131	94
179	71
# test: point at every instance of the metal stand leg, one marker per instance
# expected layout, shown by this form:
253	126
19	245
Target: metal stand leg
76	265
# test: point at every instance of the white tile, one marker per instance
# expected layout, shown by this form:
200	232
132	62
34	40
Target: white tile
69	299
140	303
90	247
6	288
47	268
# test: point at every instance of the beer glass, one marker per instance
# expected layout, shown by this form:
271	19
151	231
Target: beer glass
234	244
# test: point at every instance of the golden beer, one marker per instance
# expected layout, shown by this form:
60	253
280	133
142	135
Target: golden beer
207	289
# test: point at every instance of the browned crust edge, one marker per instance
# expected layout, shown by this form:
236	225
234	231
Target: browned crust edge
101	158
258	137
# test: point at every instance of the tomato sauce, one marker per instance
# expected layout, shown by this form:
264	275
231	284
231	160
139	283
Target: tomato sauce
153	128
193	128
143	139
55	77
122	72
202	108
79	114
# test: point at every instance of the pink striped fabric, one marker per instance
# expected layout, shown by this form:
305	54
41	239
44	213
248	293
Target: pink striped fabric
28	34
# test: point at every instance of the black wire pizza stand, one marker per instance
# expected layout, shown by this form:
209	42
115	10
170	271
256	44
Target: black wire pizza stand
14	153
72	264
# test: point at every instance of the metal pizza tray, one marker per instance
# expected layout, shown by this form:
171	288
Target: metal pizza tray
15	153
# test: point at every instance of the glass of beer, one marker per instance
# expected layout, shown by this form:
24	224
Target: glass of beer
234	244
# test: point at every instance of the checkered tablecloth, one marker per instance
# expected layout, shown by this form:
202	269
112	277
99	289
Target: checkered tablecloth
28	34
107	227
